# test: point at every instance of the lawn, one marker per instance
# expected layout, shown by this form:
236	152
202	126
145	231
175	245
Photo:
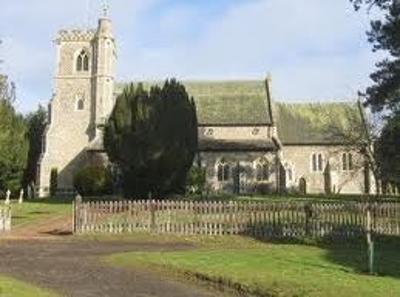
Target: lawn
12	288
294	197
284	270
33	211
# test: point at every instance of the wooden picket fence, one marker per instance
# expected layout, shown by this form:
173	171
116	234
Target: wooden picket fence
5	219
258	219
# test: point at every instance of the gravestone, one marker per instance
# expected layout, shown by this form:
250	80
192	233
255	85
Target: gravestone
8	195
21	196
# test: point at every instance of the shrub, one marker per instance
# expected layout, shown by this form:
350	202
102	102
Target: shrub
196	180
93	180
53	181
263	188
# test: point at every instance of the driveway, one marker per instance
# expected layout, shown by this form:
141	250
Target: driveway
72	268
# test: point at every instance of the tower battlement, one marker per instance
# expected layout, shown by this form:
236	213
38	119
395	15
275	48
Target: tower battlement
76	35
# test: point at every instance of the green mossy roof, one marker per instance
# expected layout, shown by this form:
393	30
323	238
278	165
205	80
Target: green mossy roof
316	123
227	102
247	103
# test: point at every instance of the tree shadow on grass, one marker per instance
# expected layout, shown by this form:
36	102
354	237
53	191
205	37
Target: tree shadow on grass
354	255
51	201
350	253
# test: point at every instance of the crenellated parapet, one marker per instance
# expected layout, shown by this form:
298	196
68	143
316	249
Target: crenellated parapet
76	35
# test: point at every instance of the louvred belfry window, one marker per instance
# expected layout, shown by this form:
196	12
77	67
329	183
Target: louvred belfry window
82	61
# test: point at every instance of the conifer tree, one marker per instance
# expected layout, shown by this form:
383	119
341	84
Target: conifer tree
152	138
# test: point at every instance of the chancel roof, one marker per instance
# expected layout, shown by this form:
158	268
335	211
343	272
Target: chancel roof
317	123
227	102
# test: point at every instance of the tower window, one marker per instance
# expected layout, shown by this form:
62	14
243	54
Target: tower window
80	105
82	61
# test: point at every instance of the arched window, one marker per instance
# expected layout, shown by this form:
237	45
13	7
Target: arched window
320	162
347	162
262	171
314	162
82	61
80	105
317	162
223	171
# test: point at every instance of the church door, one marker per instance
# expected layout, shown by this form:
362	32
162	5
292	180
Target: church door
303	186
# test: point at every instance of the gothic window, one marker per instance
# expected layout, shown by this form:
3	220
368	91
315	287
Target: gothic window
82	61
80	105
262	171
317	162
320	162
314	162
223	171
347	162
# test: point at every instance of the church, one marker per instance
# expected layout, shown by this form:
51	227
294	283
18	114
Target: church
248	142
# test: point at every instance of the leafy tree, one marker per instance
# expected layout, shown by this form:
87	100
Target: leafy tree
36	122
13	143
152	137
359	133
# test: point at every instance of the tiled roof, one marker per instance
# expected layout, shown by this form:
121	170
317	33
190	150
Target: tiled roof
227	102
316	123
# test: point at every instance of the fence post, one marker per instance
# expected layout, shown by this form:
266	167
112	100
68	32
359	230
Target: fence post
76	204
8	218
370	242
153	215
308	216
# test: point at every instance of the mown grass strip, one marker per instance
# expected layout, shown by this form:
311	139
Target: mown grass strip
10	287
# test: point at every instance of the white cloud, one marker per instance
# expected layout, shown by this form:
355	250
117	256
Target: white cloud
315	49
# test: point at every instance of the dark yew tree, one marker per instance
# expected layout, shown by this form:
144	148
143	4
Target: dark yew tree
387	150
152	138
36	123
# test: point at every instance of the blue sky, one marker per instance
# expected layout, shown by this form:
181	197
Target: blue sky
315	49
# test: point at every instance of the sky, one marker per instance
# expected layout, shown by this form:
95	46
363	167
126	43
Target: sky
315	50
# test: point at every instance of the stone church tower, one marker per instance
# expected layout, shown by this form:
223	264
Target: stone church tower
83	98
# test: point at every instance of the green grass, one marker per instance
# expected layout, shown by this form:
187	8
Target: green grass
13	288
290	198
34	211
284	270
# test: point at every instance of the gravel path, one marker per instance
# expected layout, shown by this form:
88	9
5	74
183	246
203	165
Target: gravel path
72	268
